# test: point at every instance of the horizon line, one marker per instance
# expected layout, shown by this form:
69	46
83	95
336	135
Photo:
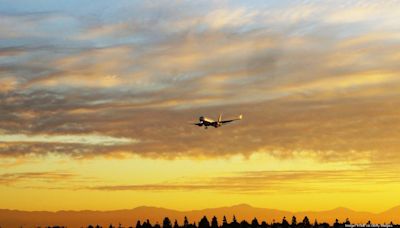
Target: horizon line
200	209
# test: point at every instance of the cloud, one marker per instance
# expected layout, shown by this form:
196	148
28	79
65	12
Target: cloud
260	182
6	52
229	18
14	178
302	80
49	180
363	12
100	140
7	84
112	30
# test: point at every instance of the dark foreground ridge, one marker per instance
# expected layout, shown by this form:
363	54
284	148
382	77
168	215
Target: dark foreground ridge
205	223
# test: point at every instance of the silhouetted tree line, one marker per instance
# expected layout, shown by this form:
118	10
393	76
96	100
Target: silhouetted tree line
205	223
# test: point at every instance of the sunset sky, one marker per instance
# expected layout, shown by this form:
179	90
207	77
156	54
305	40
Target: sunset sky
96	98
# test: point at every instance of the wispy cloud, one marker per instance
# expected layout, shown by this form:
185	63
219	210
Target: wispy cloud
259	182
13	178
67	139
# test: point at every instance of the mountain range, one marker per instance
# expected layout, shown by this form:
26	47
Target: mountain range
129	217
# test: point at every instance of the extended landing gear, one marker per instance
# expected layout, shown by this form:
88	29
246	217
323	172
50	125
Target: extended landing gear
205	127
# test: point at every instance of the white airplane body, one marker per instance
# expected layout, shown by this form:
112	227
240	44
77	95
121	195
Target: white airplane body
206	122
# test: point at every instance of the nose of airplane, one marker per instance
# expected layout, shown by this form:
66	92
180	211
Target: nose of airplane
201	118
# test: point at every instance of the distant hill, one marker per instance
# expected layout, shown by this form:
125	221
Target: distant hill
129	217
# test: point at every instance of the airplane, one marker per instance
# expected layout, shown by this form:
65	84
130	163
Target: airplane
204	121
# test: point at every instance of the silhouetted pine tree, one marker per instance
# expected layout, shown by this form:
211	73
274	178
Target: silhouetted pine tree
214	222
315	223
204	223
254	223
138	225
272	223
224	222
167	223
185	222
234	223
176	225
306	222
336	224
244	224
285	223
294	222
146	224
264	224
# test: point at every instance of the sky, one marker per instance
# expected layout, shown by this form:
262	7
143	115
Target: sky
96	101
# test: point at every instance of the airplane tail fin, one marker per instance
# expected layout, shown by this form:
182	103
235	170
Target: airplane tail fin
240	116
220	118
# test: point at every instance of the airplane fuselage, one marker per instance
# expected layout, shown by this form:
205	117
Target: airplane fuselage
206	122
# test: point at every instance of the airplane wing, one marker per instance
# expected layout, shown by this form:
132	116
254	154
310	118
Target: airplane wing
198	124
228	121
